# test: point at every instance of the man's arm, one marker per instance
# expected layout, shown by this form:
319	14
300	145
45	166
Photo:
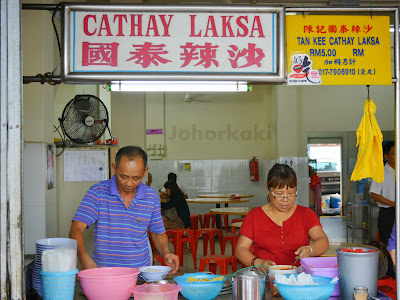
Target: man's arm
161	244
76	233
382	200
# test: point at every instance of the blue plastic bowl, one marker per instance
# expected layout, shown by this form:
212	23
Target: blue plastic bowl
321	291
203	290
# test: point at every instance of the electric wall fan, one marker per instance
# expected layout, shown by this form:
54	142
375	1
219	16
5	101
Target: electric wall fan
84	119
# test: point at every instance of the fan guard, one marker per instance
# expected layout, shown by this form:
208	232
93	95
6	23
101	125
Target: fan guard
84	119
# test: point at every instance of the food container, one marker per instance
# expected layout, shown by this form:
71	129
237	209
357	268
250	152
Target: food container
249	284
156	292
279	269
358	269
322	266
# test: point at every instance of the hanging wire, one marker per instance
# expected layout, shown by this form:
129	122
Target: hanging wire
371	11
63	138
55	28
368	92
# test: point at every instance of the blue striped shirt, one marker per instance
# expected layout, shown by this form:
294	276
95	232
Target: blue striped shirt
120	233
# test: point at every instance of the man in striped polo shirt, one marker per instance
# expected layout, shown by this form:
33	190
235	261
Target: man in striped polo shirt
122	209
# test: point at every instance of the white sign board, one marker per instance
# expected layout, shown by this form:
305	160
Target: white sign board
128	42
85	165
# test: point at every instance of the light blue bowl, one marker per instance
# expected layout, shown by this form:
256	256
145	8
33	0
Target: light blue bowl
154	273
321	291
199	290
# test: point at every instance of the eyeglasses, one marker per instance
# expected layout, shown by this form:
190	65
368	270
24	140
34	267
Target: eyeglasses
281	197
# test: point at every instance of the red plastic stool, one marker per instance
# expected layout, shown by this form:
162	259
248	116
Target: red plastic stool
178	237
387	281
233	229
208	235
195	219
158	258
222	261
229	237
209	218
213	219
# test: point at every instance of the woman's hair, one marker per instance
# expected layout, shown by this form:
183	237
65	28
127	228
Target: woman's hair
171	185
280	176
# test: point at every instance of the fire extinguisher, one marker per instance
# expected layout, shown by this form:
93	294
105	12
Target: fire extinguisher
254	169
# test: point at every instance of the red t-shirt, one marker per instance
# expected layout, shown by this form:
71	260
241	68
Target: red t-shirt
277	243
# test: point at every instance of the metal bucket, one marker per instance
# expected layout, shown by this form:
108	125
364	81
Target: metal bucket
358	269
249	284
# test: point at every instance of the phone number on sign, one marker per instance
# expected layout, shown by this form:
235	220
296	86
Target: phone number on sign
337	72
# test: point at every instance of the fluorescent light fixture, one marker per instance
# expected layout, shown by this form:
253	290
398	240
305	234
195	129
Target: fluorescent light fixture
179	86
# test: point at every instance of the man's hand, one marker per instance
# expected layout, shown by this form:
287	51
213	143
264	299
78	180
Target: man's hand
87	262
172	261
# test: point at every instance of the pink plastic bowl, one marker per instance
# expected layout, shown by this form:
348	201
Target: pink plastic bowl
108	283
156	291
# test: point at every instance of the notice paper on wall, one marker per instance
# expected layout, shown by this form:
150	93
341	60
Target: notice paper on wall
85	165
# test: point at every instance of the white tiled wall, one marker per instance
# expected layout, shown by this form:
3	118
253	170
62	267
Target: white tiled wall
226	176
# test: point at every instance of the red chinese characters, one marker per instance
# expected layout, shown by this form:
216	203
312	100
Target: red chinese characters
100	54
206	54
334	29
148	54
252	55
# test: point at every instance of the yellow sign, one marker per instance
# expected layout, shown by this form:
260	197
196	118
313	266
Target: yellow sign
338	50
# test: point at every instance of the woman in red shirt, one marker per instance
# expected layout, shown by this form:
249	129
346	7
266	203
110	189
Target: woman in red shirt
281	230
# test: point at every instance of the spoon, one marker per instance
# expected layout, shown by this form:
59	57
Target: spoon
297	258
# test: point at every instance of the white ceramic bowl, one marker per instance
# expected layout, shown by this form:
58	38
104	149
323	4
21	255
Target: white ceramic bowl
281	269
153	273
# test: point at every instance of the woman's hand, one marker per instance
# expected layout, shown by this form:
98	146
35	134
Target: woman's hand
263	262
304	251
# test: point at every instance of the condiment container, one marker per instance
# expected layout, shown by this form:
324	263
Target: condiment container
358	269
360	293
249	284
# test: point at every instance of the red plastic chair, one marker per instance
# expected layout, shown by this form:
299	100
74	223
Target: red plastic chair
180	236
213	219
233	238
222	261
233	229
208	235
387	285
195	219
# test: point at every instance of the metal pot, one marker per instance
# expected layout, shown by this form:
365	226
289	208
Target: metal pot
249	284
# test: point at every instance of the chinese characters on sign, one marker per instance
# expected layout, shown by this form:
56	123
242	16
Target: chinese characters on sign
338	50
164	42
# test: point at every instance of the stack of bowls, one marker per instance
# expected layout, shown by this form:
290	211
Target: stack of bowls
46	244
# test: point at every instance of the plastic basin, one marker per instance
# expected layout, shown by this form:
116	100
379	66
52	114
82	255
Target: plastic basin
108	283
320	291
199	290
322	266
157	291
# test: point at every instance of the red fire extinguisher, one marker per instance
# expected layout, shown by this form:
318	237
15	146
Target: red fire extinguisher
254	169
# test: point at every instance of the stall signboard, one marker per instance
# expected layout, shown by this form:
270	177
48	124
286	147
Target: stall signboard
105	43
338	50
